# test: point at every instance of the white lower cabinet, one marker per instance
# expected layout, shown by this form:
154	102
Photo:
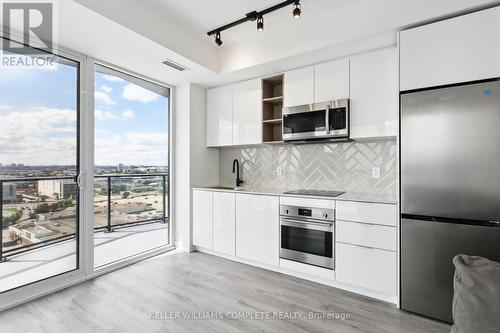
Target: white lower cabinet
371	235
257	228
224	222
246	226
366	245
365	267
384	214
202	219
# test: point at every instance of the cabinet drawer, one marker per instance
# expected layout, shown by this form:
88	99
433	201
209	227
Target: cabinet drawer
367	268
366	212
371	235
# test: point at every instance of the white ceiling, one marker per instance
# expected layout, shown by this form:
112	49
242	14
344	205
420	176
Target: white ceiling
138	35
199	17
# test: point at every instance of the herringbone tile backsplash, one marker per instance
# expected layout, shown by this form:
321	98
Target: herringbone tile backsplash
339	166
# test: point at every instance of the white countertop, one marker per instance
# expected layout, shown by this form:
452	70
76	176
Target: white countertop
348	196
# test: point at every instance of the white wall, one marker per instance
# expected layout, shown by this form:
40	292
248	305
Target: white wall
194	164
204	161
180	175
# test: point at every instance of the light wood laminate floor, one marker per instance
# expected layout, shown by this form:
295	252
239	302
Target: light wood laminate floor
199	284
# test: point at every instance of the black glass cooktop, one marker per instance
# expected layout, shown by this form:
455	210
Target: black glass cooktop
317	193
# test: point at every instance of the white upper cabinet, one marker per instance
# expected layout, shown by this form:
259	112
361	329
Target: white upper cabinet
247	112
224	222
298	87
374	94
461	49
220	116
331	80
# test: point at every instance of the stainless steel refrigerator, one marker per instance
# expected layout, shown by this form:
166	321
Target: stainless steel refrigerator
450	189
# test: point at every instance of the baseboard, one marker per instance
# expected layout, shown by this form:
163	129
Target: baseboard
393	299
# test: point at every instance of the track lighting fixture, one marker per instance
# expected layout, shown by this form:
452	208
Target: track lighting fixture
218	41
256	15
297	11
260	23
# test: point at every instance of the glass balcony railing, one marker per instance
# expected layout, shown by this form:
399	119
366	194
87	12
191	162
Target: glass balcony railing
38	212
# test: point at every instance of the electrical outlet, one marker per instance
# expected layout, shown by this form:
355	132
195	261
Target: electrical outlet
376	172
279	171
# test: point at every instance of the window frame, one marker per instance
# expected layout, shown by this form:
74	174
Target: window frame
85	157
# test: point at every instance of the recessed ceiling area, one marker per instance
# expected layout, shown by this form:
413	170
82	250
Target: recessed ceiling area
199	17
327	29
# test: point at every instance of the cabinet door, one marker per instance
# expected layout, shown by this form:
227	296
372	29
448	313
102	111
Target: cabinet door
220	116
374	94
365	267
299	87
247	112
202	219
331	81
460	49
224	222
257	228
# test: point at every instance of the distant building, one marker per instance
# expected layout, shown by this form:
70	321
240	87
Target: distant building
134	208
9	193
59	189
30	233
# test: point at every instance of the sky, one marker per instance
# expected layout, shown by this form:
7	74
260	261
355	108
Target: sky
131	123
38	119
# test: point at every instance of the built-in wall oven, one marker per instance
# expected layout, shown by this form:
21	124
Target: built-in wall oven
307	235
327	121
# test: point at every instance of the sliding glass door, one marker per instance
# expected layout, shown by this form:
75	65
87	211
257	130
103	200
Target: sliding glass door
84	171
131	160
39	165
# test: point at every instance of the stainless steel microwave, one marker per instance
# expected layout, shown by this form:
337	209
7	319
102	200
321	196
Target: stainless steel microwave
327	121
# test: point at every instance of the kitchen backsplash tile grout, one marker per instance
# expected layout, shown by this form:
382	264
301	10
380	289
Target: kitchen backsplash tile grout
335	166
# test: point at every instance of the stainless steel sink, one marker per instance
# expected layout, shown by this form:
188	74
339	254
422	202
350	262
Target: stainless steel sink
226	188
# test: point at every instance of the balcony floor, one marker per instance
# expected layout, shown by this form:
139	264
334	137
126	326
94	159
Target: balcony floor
55	259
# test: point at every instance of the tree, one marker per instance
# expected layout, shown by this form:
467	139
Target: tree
13	218
116	189
125	195
66	203
42	208
54	207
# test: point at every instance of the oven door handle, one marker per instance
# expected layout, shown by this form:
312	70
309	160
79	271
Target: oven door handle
307	224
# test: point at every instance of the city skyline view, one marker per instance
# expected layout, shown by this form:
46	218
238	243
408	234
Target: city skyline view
38	119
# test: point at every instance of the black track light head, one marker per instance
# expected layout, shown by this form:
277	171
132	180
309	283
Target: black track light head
297	11
218	41
257	16
260	24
